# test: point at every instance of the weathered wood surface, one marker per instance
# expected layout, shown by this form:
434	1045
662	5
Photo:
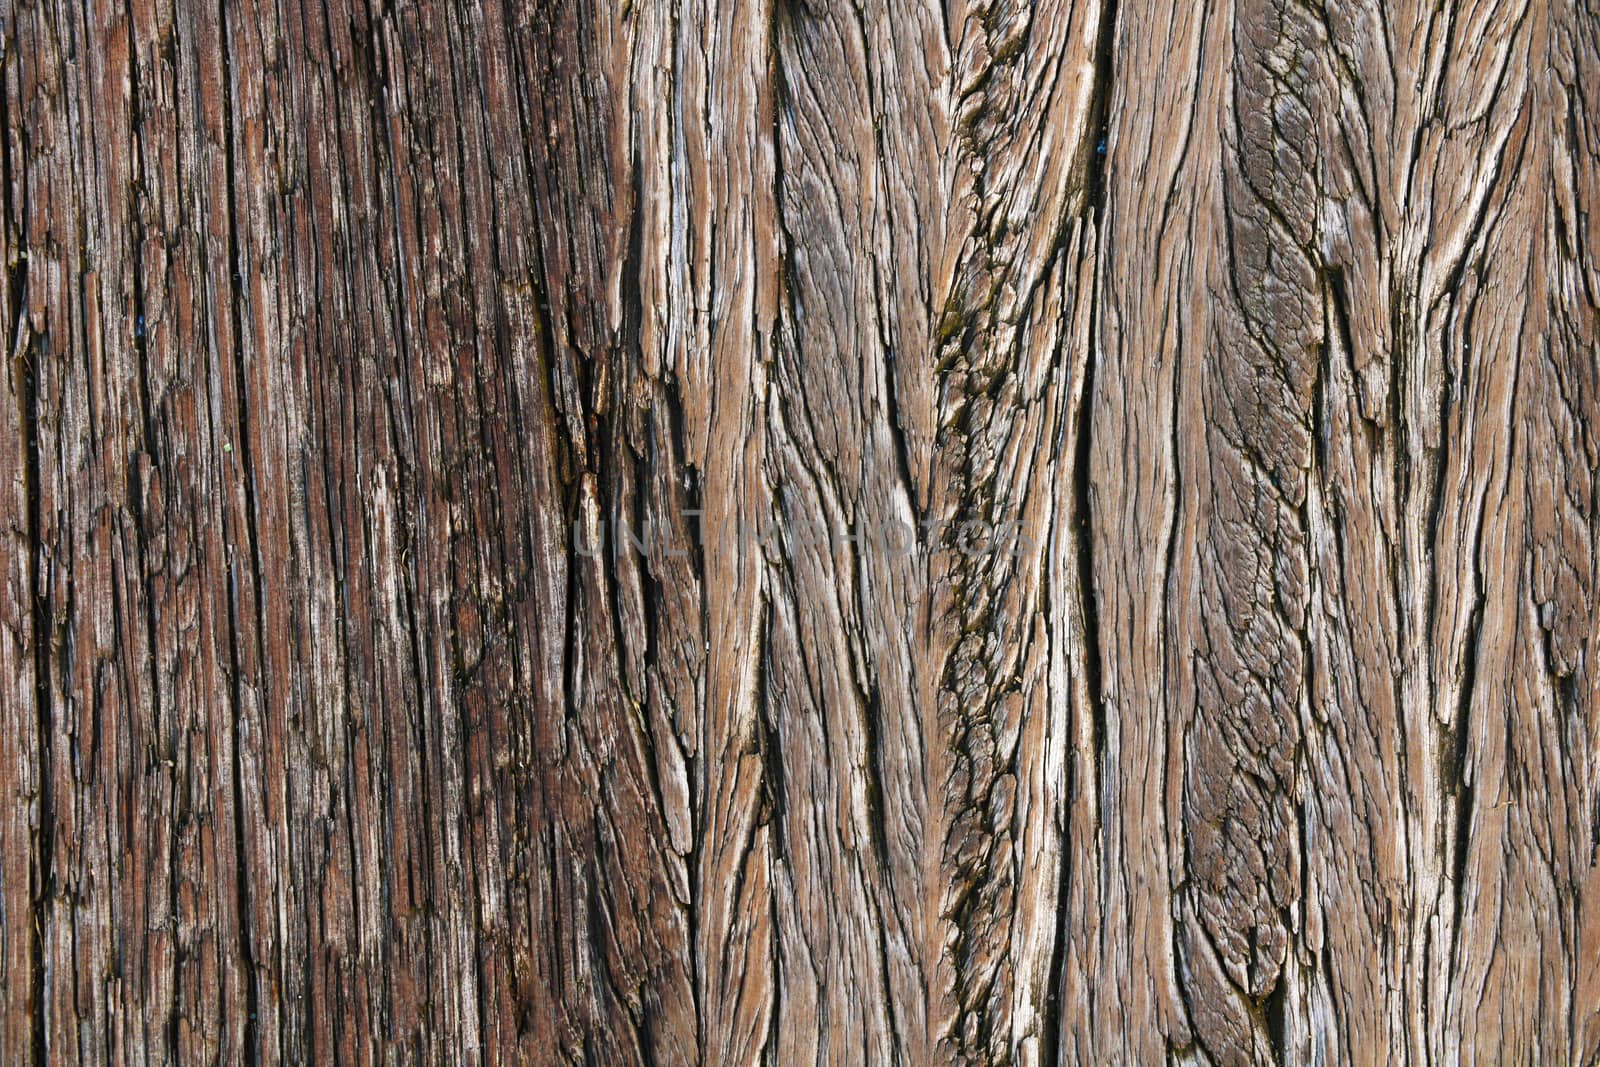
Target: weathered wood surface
1268	331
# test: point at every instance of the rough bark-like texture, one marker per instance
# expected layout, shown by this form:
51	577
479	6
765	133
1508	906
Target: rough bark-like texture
699	531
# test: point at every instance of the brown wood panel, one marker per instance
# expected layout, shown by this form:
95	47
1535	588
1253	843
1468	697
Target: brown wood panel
692	531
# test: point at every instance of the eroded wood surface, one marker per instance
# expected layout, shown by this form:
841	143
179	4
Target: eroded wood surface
1267	332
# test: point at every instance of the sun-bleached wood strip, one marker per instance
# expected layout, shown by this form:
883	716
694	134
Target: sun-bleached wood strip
709	277
861	118
1152	325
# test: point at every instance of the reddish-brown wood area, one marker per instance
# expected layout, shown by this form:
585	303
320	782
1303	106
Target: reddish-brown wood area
800	531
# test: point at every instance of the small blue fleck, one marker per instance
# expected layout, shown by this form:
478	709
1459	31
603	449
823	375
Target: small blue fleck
1100	149
138	327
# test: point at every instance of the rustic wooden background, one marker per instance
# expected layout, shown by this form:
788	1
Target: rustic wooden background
336	331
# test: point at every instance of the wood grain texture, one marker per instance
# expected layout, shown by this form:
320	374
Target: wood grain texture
690	531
